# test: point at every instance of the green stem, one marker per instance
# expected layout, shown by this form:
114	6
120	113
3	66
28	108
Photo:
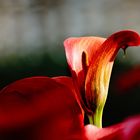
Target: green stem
91	119
96	118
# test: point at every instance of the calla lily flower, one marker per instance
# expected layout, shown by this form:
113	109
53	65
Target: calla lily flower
42	108
90	60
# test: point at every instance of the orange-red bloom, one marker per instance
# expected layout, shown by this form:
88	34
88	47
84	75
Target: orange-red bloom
41	108
90	60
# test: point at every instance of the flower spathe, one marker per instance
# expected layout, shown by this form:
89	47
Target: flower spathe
96	56
44	108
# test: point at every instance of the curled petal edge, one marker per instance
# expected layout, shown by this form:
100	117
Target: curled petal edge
99	72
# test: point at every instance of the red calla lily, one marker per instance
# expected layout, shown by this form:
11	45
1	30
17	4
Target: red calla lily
51	108
90	60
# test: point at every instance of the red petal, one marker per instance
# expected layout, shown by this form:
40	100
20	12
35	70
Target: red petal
79	53
123	82
75	47
43	101
98	75
127	130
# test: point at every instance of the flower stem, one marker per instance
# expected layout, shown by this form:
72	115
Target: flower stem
96	118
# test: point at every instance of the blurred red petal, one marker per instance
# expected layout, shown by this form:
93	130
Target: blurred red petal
127	130
128	80
49	105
